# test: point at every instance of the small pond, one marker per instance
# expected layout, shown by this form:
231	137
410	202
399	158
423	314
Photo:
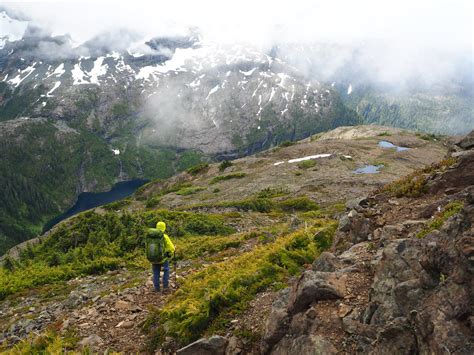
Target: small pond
386	144
369	169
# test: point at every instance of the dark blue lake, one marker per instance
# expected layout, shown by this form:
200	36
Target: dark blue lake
88	200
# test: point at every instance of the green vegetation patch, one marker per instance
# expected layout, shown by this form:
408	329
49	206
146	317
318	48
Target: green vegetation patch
271	192
224	165
415	184
307	164
286	144
222	290
117	205
220	178
189	190
153	202
298	204
93	243
198	169
449	210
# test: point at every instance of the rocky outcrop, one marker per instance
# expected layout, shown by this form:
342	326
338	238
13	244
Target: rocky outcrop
387	288
215	345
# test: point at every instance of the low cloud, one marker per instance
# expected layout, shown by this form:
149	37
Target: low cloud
398	42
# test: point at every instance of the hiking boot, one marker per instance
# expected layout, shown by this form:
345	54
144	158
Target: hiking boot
167	291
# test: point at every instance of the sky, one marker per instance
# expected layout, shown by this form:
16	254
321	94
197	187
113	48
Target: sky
437	23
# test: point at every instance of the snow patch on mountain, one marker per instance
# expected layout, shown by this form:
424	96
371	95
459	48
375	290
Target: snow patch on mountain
78	76
20	77
56	85
99	69
212	91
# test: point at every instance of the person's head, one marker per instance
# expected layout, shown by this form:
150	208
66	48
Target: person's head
161	226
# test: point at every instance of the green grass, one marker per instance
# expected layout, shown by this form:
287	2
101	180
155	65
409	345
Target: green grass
286	144
307	164
224	165
189	190
153	202
415	184
93	243
198	169
449	210
48	343
117	205
220	178
211	297
271	192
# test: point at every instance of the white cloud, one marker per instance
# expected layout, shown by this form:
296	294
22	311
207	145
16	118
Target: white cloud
412	37
431	22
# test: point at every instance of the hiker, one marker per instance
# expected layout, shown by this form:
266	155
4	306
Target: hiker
159	250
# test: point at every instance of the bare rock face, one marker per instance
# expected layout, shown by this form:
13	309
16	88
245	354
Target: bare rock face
278	322
467	142
215	345
315	286
305	344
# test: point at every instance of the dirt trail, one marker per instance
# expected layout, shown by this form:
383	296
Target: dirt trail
113	322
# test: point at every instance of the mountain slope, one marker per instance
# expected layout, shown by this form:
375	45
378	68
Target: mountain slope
248	226
399	278
110	113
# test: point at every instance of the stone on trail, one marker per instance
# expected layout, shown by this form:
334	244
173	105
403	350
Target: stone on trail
91	341
215	345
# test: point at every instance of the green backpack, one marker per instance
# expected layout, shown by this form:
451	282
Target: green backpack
155	246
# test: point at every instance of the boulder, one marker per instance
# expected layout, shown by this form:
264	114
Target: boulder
215	345
396	337
325	262
278	321
305	344
315	286
467	142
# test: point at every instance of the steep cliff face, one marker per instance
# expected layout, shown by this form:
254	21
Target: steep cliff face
399	278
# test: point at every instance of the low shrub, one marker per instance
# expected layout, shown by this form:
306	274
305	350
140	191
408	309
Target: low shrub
117	205
307	164
228	177
152	202
198	169
286	144
262	205
224	165
298	204
449	210
215	294
414	184
271	192
189	190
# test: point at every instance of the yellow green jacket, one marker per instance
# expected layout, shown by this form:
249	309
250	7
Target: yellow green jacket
169	246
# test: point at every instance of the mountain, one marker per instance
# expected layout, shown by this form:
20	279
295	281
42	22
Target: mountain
382	246
385	85
76	118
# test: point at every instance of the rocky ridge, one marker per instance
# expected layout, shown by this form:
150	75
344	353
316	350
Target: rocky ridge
398	280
